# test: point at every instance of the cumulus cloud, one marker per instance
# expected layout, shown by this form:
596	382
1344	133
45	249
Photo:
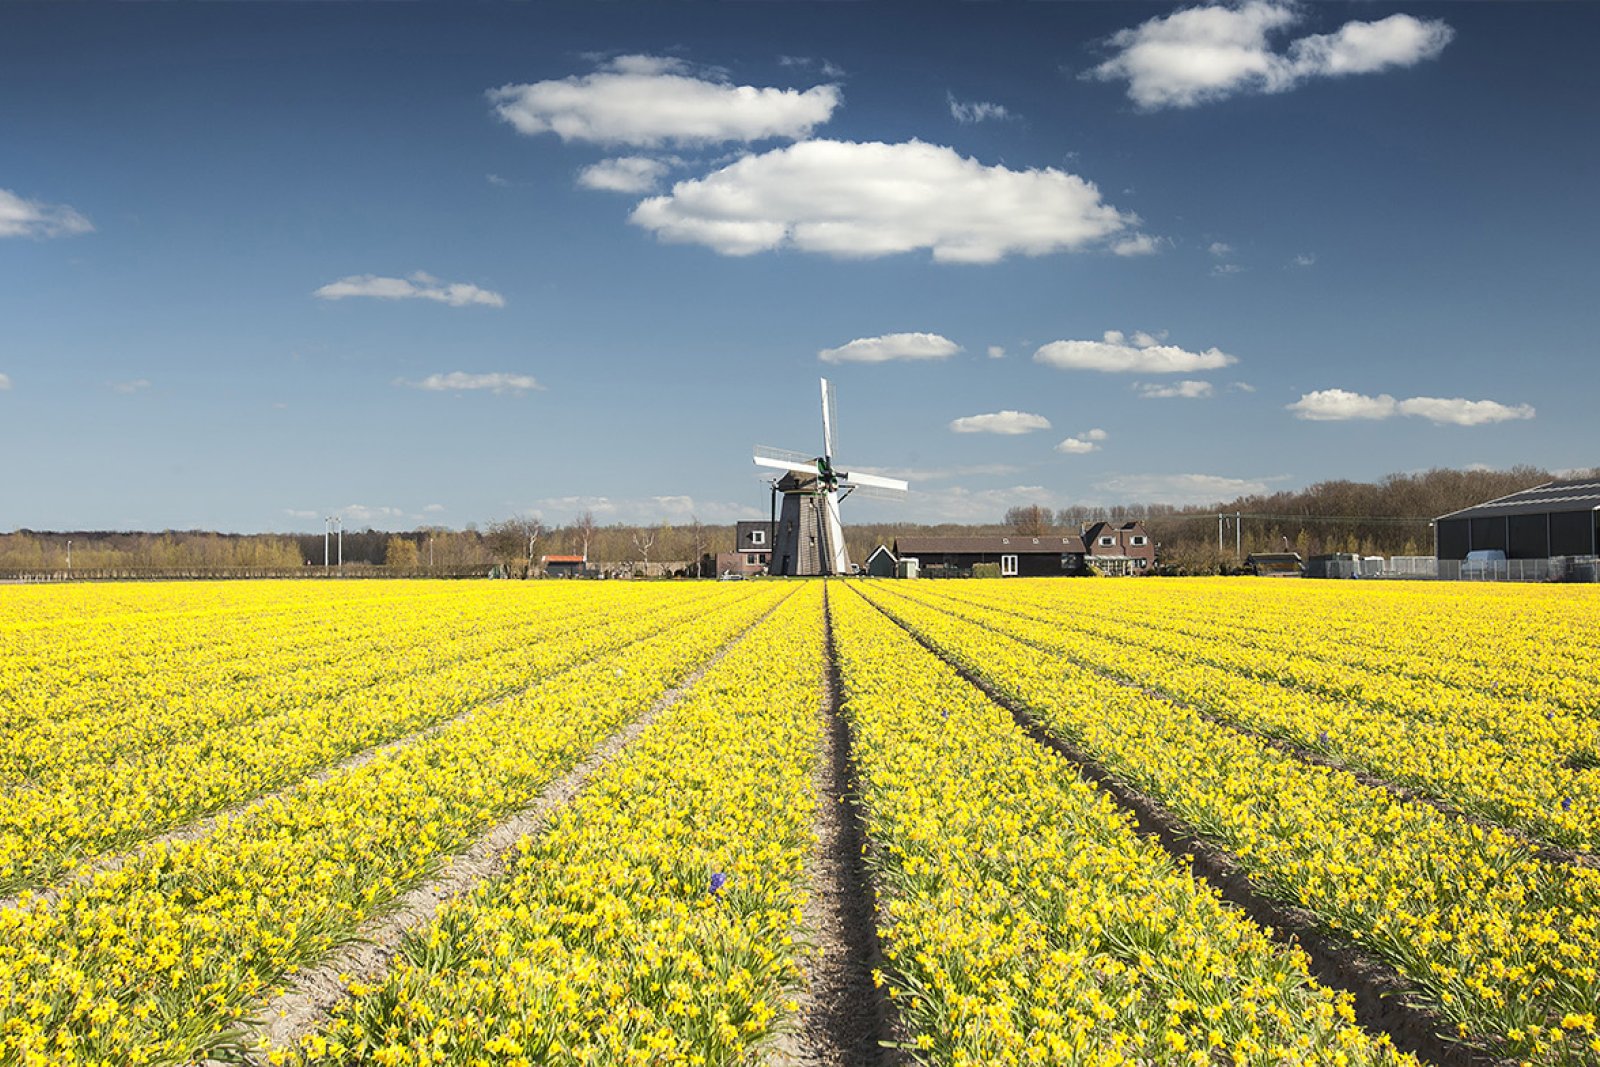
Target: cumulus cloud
1220	249
1203	54
5	382
1188	389
418	286
891	346
1304	259
1084	443
1138	244
361	514
975	111
1140	354
677	508
625	174
997	352
1179	489
432	509
129	387
861	200
1002	422
650	101
1342	405
21	217
460	381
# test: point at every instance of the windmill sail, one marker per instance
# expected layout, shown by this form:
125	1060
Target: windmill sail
809	537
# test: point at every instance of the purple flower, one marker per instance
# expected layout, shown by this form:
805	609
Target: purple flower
1323	737
1566	803
718	880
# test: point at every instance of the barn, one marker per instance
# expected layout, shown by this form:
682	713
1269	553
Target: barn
1554	519
1016	555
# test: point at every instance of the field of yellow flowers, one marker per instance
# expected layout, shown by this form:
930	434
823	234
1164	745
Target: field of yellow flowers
209	792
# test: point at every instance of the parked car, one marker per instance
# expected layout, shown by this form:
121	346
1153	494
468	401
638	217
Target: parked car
1482	562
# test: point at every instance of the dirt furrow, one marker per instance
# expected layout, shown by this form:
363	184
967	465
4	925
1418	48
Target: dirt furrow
312	993
844	1019
1382	998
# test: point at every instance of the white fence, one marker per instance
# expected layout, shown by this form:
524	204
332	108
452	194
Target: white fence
1558	569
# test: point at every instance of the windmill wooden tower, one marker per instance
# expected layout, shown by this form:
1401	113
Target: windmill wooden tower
809	539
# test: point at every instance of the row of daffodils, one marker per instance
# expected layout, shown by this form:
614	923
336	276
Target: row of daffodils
160	958
1502	944
1025	921
654	921
1511	760
231	743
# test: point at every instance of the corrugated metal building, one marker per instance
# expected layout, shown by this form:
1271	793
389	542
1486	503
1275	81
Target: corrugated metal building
1554	519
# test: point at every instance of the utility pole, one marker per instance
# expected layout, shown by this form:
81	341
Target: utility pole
340	521
1219	533
327	524
1238	537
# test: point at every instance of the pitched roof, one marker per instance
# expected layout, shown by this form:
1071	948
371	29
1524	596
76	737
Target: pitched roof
1576	494
991	544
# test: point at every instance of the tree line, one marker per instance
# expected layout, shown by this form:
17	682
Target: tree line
1388	517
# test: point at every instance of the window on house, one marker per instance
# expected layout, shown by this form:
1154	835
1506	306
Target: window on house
1141	563
758	537
1107	542
751	559
1008	566
1138	540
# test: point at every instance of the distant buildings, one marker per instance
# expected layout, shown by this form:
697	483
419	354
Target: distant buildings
1547	521
1107	548
753	550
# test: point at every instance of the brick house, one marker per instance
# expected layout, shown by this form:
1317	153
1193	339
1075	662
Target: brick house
1123	548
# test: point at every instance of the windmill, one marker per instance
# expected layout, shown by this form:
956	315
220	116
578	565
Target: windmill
808	538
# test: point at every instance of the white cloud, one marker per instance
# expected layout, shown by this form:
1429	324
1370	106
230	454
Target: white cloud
1222	270
433	509
300	513
460	381
1460	412
1188	389
496	180
650	101
997	352
1143	354
1202	54
5	382
1304	259
1002	422
1242	387
1220	249
625	174
1341	405
361	514
976	111
21	217
1138	244
676	509
861	200
1180	489
891	346
129	387
419	286
1084	443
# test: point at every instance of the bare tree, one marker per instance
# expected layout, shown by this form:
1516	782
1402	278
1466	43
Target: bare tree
509	539
1030	520
585	527
642	540
698	534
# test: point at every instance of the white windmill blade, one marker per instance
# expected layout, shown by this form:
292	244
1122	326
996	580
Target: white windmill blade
785	453
871	492
787	465
827	419
876	481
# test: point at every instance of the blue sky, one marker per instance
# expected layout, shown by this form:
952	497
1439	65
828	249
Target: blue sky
259	264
